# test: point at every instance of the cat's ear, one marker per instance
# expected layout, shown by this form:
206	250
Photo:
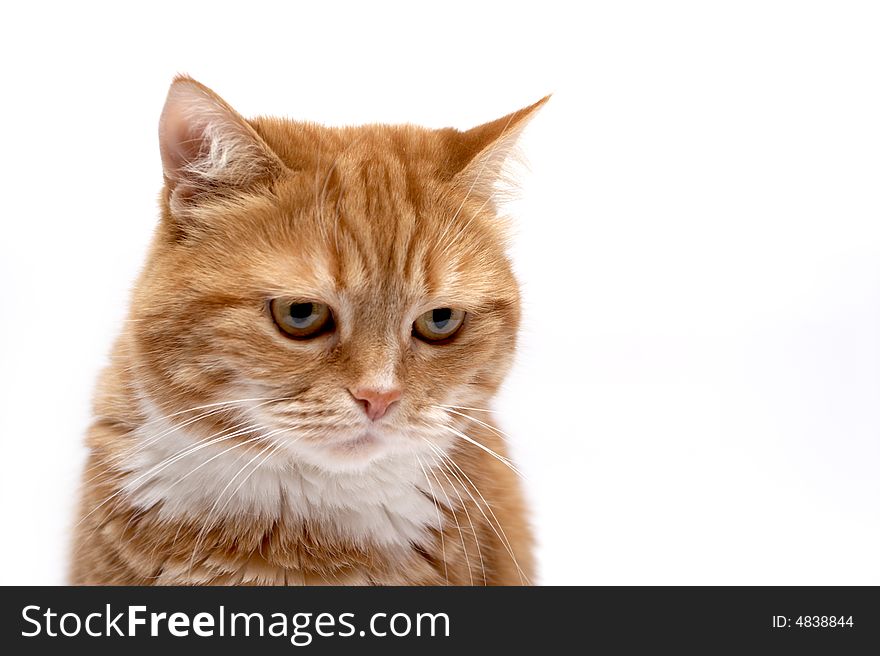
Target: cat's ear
478	155
207	147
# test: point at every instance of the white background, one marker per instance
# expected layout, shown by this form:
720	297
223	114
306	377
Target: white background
696	399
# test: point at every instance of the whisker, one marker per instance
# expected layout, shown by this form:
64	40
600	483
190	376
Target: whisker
439	520
501	459
141	446
214	457
503	535
240	456
492	428
464	407
467	559
271	446
468	515
209	405
179	454
118	459
164	464
237	445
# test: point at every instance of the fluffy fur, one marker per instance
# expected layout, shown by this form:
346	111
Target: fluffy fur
224	452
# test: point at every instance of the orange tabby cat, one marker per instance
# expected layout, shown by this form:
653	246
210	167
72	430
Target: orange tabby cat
299	395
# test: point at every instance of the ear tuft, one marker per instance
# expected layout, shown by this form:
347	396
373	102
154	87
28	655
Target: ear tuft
207	147
478	156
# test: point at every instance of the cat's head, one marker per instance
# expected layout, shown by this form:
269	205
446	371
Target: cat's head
338	291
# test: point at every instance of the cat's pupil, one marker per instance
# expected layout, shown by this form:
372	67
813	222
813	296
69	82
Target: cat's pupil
441	317
300	311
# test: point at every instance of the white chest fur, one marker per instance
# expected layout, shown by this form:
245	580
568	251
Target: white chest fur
189	477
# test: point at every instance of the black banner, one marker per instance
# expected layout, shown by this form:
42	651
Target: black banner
330	620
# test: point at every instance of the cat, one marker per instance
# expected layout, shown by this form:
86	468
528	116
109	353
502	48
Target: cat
300	393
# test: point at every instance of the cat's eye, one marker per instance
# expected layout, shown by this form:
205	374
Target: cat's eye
438	324
301	320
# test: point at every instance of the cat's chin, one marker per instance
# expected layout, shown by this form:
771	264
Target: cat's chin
347	453
365	445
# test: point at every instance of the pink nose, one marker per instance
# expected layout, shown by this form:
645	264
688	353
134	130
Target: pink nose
376	402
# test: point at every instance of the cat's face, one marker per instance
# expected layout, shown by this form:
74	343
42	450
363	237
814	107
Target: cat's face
339	290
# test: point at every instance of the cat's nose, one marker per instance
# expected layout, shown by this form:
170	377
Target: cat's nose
375	402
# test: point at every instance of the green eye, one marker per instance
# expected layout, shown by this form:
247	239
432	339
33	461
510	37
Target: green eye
438	324
301	320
